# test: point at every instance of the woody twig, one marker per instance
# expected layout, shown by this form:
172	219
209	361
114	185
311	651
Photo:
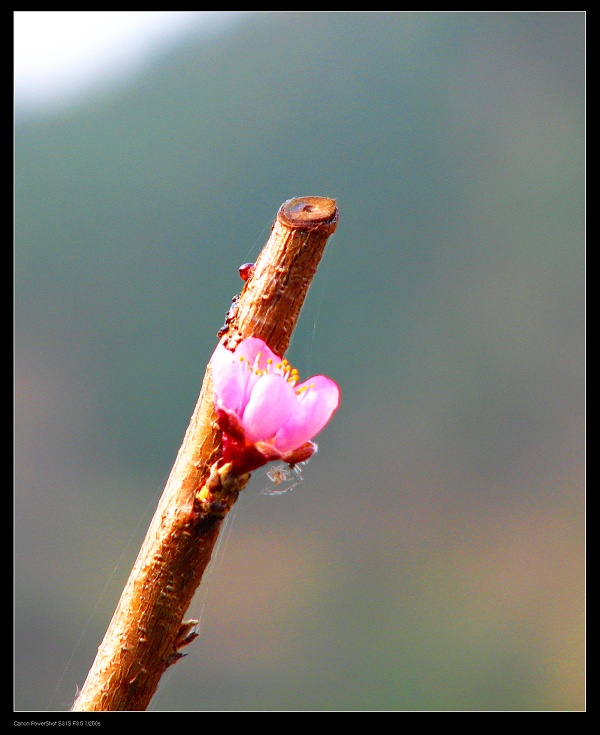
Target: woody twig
148	631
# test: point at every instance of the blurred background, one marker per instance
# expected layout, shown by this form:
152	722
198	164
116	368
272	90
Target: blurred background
433	558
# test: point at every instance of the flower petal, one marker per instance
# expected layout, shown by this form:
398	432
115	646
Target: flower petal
271	404
316	400
234	373
253	347
230	380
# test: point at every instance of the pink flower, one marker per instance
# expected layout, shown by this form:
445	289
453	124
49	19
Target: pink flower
263	413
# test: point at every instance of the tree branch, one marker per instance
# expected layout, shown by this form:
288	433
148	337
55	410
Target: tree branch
147	630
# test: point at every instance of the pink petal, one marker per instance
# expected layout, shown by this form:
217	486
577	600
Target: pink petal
230	380
313	409
270	405
234	373
251	347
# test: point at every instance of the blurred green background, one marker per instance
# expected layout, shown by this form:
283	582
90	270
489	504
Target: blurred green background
433	559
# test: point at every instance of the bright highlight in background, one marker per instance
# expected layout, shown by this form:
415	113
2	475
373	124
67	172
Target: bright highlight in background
60	54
